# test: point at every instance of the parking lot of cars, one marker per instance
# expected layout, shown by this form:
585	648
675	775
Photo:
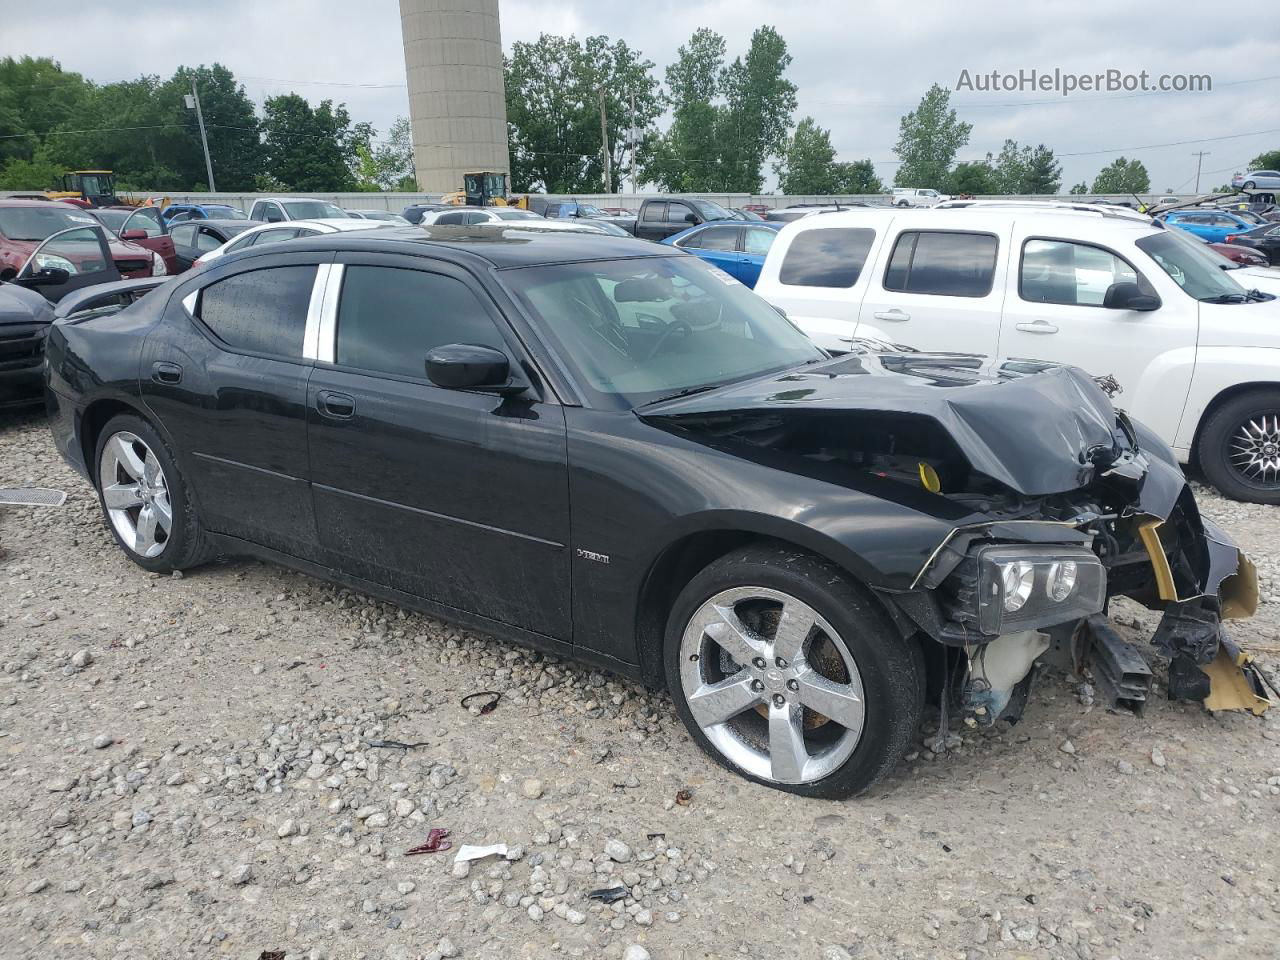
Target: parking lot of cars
839	534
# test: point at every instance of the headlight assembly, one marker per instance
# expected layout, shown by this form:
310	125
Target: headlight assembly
1027	587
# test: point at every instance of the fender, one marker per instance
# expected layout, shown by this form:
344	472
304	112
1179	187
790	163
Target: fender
1219	369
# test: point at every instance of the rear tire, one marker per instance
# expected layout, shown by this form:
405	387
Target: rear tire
144	498
1239	447
829	696
1250	185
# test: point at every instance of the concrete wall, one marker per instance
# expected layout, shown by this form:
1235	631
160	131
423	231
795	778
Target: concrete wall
457	102
631	201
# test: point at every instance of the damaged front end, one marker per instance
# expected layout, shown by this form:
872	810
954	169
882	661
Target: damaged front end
1056	503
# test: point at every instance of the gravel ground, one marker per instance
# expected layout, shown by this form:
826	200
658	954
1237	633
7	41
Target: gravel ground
185	770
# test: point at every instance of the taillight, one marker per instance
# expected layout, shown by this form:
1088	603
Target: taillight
1230	238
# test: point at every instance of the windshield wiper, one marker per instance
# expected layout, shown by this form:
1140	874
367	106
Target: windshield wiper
686	392
1252	296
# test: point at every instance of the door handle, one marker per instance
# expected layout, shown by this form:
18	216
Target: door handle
337	406
1039	326
895	314
165	372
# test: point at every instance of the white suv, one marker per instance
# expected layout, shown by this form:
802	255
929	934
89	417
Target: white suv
1196	355
913	197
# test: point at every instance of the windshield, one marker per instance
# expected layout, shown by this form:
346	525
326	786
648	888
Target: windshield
503	213
639	330
38	223
711	211
217	211
314	210
1193	267
590	210
113	220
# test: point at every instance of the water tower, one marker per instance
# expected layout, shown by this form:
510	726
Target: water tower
457	103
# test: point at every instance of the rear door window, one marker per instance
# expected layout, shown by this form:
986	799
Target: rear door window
757	241
942	263
827	257
184	234
654	212
714	238
207	240
390	318
261	311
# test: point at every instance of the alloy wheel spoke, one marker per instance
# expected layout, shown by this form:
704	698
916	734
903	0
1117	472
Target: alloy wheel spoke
787	752
148	519
127	457
719	702
732	634
837	701
121	496
163	511
151	474
794	627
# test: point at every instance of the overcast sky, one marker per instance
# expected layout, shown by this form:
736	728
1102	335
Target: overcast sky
858	67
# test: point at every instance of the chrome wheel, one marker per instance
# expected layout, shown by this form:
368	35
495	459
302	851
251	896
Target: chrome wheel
135	494
771	685
1254	450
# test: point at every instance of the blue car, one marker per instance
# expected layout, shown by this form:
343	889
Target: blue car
736	247
1212	225
177	212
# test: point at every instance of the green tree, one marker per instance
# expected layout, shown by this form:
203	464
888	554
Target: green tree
808	166
759	103
973	178
231	125
1079	189
555	88
808	161
19	174
1270	160
928	140
857	176
1043	172
36	96
1122	176
308	149
686	157
1008	170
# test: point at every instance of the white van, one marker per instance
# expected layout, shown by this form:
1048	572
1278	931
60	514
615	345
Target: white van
1196	355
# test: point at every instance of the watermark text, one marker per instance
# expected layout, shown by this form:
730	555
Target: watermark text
1066	83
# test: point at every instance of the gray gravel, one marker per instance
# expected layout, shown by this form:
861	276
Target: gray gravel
185	770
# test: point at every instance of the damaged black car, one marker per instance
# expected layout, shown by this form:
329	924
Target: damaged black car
618	454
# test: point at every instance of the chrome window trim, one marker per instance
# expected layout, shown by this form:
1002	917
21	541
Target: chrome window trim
311	332
326	345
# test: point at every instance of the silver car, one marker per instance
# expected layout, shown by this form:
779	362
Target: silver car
1257	180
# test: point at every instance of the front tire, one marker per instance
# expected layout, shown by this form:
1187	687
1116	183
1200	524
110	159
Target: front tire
1250	185
144	498
1239	449
787	673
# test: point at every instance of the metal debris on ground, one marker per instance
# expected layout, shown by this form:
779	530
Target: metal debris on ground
436	843
684	797
488	707
32	497
608	894
395	744
271	955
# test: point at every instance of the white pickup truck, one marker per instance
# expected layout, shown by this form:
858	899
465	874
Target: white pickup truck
1195	353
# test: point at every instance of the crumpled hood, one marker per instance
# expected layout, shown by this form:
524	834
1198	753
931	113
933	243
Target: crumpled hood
1039	430
20	305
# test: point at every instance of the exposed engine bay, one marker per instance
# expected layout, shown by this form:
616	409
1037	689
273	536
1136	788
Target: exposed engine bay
1048	525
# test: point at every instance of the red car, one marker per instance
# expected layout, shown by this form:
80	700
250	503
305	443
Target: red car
143	226
28	224
1245	256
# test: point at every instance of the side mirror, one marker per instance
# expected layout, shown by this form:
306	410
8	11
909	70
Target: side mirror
133	235
48	277
691	218
469	366
1129	296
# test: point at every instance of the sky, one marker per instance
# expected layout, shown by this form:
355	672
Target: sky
858	66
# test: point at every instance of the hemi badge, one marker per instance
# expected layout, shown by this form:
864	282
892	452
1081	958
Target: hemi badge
592	555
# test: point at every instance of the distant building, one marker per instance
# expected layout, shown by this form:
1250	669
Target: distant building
457	102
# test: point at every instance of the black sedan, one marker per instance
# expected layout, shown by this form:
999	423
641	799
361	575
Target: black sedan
1264	239
192	239
605	449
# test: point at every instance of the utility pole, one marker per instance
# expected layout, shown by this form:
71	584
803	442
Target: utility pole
193	101
604	144
633	142
1199	160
